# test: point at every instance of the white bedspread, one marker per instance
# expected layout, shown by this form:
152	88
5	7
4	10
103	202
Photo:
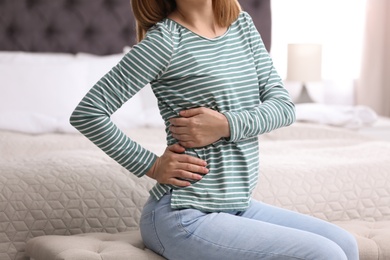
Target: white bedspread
330	173
62	184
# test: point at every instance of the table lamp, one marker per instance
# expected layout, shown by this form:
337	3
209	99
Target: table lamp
303	66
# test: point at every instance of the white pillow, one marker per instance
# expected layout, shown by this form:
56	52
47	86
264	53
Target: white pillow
40	91
39	96
34	57
352	117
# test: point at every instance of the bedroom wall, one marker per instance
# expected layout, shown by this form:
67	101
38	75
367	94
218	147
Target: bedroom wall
336	24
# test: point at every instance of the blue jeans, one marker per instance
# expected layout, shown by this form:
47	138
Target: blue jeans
260	232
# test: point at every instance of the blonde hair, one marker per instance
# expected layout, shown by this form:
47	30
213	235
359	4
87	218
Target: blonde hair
148	12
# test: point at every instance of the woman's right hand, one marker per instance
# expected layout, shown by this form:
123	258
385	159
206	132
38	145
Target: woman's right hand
174	167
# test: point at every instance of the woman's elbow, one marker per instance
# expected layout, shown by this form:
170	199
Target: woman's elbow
290	113
74	118
80	117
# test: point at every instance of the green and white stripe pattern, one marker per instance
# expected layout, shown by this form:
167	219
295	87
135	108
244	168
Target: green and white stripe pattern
232	74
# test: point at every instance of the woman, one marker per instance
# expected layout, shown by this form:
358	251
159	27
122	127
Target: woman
217	90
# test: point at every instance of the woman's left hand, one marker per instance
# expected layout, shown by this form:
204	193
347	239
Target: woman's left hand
198	127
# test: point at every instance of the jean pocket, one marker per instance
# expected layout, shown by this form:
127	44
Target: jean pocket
149	233
190	219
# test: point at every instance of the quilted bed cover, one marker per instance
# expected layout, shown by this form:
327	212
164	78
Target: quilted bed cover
62	184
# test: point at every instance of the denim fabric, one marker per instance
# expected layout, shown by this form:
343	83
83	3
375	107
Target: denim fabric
260	232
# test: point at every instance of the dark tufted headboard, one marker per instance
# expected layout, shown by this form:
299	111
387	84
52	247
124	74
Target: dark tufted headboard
93	26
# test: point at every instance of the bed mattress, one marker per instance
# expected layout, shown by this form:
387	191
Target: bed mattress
62	184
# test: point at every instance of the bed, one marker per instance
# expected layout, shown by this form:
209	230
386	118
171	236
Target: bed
53	181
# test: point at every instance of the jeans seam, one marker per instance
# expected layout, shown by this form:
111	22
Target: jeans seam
162	249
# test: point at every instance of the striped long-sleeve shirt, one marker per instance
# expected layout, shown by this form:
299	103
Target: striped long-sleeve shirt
232	74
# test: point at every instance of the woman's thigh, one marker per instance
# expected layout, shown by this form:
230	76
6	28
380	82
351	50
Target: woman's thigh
287	218
192	234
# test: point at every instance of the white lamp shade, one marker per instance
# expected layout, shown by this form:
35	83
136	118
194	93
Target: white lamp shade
304	62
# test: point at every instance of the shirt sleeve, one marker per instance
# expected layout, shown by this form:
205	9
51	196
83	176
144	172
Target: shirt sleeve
144	63
276	109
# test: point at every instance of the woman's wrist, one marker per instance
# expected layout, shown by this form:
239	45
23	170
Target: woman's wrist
152	171
225	128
